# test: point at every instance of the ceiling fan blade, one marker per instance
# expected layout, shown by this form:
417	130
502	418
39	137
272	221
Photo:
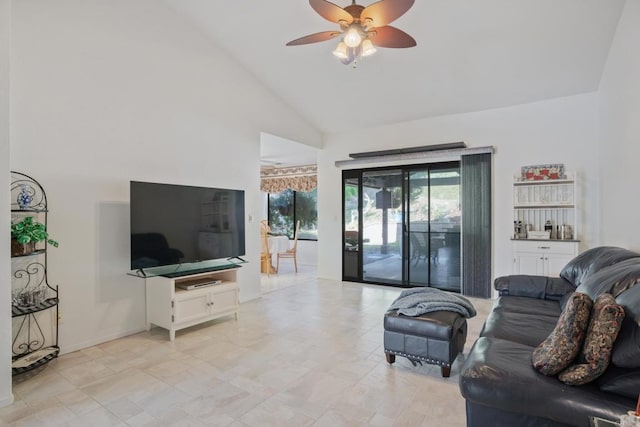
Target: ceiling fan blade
314	38
389	36
385	11
331	12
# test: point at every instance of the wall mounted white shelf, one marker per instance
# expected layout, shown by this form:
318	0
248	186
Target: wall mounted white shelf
537	204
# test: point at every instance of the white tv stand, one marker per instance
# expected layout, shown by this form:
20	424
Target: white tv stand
173	308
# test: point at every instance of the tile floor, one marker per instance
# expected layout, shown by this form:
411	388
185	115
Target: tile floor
309	352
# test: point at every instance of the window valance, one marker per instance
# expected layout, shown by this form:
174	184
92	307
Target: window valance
297	178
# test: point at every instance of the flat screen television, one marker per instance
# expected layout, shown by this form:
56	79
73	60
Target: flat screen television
179	224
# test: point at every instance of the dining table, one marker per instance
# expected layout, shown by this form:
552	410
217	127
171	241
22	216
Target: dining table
277	244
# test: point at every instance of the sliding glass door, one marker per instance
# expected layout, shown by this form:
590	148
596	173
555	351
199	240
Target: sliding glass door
351	259
402	226
382	241
433	218
421	250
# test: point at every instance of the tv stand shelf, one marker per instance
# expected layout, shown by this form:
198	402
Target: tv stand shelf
173	308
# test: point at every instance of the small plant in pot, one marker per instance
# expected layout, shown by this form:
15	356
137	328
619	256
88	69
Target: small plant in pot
25	234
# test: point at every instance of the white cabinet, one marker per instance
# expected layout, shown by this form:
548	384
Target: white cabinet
542	257
536	204
172	307
528	263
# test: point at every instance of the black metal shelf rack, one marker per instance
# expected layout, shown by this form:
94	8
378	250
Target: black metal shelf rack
35	320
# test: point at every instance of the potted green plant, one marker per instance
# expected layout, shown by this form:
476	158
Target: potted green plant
25	234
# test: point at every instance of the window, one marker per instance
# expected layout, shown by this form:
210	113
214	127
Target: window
287	207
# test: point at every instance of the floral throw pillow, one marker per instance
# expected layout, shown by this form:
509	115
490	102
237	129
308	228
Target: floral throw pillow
605	323
560	348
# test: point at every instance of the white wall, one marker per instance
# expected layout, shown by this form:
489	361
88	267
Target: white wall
620	134
5	275
562	130
105	92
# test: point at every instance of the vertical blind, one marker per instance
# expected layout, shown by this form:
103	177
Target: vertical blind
475	171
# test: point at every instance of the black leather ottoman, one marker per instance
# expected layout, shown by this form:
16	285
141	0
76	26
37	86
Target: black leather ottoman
434	338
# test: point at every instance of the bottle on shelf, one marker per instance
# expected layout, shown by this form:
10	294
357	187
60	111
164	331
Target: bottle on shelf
567	232
520	230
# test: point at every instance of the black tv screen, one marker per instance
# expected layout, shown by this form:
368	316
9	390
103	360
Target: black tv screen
177	224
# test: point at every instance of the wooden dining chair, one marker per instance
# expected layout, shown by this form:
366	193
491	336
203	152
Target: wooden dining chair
291	253
265	255
264	226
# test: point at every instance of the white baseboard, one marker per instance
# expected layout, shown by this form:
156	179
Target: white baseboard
101	340
6	401
250	298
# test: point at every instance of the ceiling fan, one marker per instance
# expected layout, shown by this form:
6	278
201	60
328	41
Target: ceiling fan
361	28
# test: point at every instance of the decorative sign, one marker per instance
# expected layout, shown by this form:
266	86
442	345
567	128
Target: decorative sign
543	172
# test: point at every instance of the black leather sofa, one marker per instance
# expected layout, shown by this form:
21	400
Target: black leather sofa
498	381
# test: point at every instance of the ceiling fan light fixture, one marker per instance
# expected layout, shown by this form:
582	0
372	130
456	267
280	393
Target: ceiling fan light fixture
352	37
341	51
360	25
367	48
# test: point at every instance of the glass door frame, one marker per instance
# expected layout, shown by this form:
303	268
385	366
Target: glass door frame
357	175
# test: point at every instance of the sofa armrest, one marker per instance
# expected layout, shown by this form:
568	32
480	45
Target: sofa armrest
541	287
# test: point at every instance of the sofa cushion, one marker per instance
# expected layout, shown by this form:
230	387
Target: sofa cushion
524	328
593	260
622	381
563	344
524	305
613	280
540	287
498	374
563	301
604	325
626	350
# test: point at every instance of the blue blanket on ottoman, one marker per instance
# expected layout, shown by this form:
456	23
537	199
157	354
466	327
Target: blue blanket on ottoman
418	301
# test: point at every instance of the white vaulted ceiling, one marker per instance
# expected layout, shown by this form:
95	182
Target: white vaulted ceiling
471	55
